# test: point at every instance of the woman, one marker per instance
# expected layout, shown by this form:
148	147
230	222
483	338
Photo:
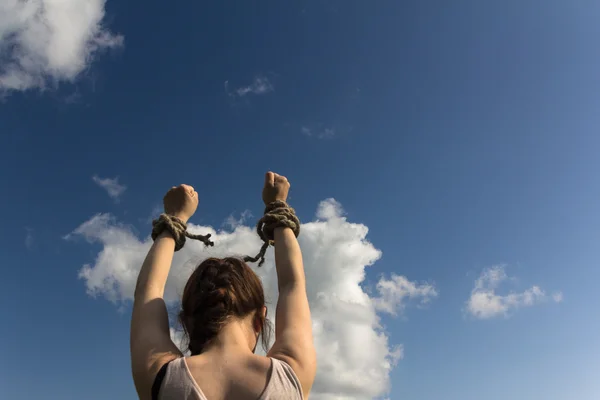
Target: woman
223	312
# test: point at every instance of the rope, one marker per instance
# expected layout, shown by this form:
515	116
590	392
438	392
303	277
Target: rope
178	230
277	214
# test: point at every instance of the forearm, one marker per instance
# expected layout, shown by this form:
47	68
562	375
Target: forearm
155	269
293	327
288	259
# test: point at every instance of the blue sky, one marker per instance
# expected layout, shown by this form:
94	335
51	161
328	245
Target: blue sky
463	136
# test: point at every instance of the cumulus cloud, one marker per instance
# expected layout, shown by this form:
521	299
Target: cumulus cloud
355	355
112	186
394	292
260	85
485	303
44	41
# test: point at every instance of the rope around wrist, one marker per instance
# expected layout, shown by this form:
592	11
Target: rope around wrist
277	214
178	230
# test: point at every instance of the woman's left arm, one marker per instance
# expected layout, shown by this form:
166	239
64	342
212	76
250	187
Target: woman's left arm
150	340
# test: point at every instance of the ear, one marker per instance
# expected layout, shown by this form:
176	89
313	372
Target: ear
259	317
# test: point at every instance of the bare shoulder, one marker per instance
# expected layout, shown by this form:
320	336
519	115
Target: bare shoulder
255	376
254	372
259	364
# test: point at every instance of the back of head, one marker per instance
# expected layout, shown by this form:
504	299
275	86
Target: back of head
217	291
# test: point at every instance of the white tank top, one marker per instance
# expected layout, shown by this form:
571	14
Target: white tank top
178	383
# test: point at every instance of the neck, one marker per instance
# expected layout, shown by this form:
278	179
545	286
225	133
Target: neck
236	336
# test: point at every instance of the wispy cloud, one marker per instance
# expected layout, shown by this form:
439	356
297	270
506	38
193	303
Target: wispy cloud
355	353
46	42
73	98
395	292
29	240
557	297
154	214
232	222
260	85
112	186
318	132
485	303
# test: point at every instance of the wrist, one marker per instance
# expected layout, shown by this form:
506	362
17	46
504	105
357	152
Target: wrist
281	231
166	234
182	217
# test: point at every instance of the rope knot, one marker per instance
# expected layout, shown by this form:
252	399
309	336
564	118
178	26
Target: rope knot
277	214
178	230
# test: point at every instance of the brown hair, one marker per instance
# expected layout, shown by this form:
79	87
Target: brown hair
218	290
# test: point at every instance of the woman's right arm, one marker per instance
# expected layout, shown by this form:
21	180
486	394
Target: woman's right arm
293	325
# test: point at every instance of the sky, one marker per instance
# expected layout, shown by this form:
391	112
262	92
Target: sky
442	157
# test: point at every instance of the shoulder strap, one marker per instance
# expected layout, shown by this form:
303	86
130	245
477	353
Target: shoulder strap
158	380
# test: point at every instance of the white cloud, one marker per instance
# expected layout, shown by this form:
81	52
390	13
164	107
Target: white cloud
29	240
112	186
49	41
355	355
395	291
232	222
557	297
260	85
319	132
154	214
485	303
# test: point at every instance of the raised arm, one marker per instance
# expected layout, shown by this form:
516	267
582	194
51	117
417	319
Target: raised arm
293	326
150	341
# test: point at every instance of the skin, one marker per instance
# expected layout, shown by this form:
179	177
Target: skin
228	368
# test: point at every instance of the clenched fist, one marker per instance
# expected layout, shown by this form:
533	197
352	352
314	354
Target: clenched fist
276	188
181	202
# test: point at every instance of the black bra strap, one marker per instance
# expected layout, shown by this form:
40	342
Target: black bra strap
158	381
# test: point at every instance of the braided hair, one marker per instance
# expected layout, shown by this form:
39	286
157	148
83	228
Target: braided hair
217	291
